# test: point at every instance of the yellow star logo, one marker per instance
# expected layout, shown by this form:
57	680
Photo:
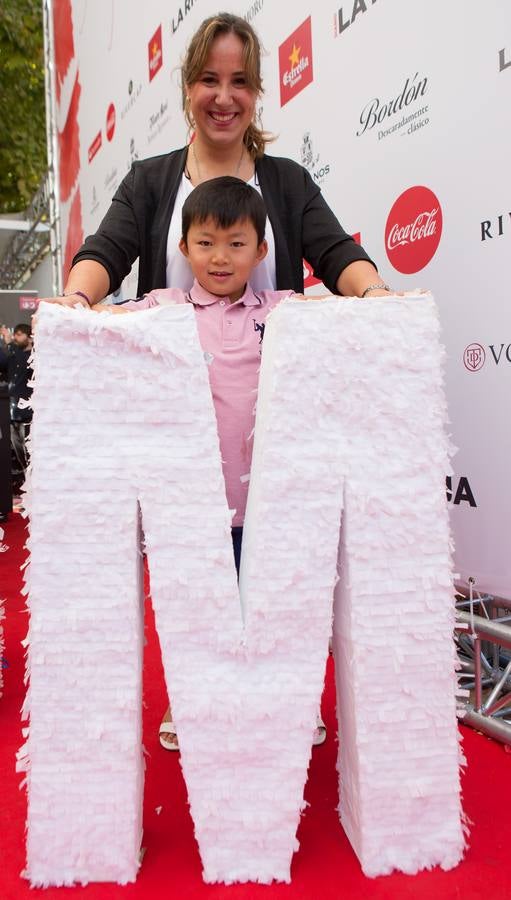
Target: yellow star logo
295	56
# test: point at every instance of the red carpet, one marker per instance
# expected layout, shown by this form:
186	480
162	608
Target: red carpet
325	867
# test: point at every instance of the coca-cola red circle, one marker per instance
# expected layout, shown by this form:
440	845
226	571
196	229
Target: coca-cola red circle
110	122
413	230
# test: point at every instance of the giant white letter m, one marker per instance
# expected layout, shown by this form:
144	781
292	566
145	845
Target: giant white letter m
346	520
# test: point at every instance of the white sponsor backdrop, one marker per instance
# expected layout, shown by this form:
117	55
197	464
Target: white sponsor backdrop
380	97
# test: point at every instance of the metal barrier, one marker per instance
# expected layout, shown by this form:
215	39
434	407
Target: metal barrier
483	637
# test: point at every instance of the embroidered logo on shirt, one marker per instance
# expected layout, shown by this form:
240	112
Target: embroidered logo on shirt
259	326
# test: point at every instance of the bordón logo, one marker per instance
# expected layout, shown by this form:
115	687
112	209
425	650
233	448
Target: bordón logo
386	113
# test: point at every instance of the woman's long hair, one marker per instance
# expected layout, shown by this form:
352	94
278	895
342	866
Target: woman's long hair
255	138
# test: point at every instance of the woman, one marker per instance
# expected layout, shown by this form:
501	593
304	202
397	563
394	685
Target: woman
221	83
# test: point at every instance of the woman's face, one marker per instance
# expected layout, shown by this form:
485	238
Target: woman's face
221	103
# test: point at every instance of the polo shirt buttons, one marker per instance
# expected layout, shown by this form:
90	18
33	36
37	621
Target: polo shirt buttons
222	302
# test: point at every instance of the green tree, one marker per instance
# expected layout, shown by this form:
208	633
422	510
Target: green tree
23	158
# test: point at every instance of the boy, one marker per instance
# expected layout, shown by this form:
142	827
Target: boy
223	223
223	240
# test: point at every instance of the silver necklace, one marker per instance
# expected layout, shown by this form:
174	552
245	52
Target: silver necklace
196	161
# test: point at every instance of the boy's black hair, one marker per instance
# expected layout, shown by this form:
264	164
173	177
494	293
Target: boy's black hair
226	200
25	329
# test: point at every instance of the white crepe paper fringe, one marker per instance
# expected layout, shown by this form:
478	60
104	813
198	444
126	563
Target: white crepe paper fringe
378	383
122	416
124	426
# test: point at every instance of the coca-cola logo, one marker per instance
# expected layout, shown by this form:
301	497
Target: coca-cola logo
110	122
413	230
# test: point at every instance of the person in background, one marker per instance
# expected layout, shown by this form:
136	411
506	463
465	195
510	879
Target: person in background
15	367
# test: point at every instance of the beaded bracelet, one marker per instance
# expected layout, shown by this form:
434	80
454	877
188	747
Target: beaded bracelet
78	294
375	287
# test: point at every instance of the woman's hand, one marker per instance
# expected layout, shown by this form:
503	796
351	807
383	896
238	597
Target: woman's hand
70	300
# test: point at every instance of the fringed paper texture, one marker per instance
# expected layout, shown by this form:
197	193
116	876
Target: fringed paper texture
132	420
351	419
394	610
123	418
246	724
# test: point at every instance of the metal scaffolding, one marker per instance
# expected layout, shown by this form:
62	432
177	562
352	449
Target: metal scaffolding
30	242
484	645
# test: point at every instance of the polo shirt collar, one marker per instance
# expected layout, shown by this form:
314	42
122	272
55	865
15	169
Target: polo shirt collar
200	297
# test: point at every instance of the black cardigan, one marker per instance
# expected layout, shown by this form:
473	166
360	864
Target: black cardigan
138	220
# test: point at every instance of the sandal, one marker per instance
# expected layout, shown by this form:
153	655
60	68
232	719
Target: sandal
170	729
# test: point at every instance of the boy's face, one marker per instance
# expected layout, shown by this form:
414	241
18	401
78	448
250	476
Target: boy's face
222	259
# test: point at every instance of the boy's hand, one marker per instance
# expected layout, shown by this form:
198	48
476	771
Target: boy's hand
6	334
111	308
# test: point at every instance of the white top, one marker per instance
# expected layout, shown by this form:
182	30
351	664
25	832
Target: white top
179	273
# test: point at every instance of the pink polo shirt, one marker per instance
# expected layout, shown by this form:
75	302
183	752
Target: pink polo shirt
231	336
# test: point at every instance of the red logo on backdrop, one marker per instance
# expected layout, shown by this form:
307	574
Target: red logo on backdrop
295	62
155	49
413	230
95	146
29	303
309	279
110	122
308	275
474	357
